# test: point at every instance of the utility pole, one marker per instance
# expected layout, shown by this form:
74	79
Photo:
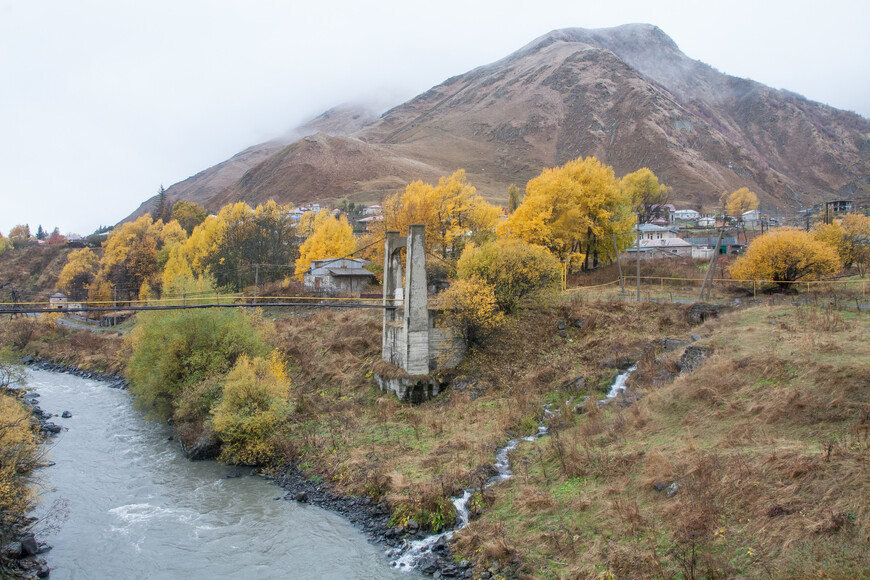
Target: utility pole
256	280
709	274
618	265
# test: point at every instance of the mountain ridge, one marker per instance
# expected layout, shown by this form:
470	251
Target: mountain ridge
627	95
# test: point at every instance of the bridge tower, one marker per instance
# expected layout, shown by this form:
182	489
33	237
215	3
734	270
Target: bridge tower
408	348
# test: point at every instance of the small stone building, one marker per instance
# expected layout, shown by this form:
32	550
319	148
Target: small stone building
338	276
58	300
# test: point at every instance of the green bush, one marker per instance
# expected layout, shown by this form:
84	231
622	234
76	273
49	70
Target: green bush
175	351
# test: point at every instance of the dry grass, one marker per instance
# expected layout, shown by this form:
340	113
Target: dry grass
92	351
768	443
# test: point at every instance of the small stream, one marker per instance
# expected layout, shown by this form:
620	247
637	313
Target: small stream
408	556
618	385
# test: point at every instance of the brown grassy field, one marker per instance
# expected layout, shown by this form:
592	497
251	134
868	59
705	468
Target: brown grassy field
767	442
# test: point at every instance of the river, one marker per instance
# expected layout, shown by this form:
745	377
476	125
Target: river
138	509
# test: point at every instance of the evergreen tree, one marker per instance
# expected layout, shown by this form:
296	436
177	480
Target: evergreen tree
40	233
513	198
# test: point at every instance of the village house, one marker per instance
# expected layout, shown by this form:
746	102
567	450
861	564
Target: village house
663	248
58	300
338	276
686	214
654	232
730	245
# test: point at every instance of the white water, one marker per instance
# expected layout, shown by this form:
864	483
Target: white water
618	385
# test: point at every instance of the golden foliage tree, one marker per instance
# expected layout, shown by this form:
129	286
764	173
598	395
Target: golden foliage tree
850	237
19	235
471	309
19	456
513	268
574	209
130	257
452	212
252	407
5	244
330	238
79	271
856	233
785	256
740	202
233	246
645	192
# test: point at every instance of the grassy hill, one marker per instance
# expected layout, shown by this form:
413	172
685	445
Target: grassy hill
32	272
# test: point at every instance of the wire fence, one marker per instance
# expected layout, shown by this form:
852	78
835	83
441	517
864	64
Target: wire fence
681	289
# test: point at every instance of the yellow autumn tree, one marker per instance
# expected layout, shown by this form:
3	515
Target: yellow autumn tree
785	256
130	257
833	235
19	456
645	192
573	210
79	271
849	236
252	407
856	233
470	307
513	268
188	215
330	238
740	202
452	212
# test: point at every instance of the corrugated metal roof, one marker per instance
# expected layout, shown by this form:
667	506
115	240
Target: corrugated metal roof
349	272
712	241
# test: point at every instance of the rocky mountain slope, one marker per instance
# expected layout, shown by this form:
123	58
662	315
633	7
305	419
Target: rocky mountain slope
626	95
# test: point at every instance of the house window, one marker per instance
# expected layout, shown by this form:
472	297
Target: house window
659	236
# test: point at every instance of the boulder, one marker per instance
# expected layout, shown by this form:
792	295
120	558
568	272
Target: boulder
28	545
13	550
693	358
428	563
204	448
701	311
66	414
574	385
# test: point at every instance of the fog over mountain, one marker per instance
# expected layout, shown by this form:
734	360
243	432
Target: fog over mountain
627	95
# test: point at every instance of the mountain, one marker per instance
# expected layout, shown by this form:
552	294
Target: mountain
626	95
207	185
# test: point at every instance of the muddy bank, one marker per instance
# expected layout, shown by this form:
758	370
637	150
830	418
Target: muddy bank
372	517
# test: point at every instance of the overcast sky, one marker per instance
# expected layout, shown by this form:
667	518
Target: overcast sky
102	101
